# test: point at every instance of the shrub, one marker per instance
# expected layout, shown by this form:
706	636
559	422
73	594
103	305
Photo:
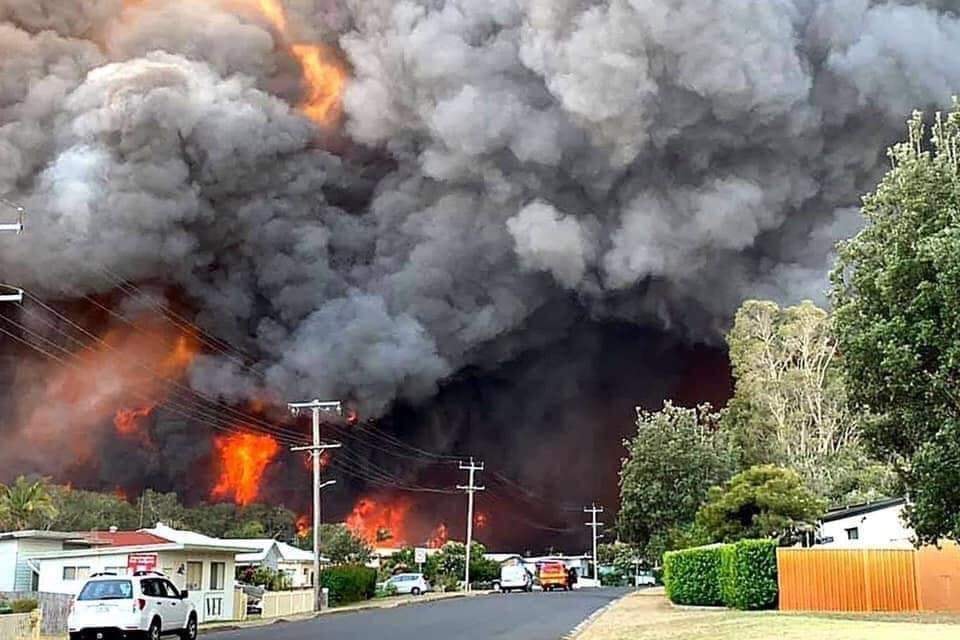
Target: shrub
748	574
5	607
349	583
24	606
692	576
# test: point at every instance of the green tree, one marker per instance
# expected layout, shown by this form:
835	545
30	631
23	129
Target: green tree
26	504
79	510
342	546
452	558
896	294
790	404
676	456
762	502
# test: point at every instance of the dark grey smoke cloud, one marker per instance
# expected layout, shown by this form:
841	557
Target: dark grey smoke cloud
656	160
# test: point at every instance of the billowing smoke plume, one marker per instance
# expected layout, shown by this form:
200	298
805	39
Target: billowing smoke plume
655	161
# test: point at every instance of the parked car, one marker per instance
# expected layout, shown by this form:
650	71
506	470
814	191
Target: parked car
412	583
553	575
645	578
144	605
514	577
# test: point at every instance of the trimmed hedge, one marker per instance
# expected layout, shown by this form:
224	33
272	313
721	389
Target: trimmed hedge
25	605
349	583
692	576
748	574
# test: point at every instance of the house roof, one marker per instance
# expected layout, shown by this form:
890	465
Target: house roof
124	538
838	513
39	535
287	552
160	538
198	540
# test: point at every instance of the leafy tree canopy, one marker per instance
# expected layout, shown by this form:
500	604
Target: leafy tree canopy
896	294
762	502
343	546
675	457
790	404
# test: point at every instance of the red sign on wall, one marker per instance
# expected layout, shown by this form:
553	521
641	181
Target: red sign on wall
141	562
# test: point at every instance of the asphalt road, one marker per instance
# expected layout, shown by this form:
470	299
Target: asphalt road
515	616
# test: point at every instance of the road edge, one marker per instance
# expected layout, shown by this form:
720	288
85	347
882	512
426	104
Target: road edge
578	630
338	611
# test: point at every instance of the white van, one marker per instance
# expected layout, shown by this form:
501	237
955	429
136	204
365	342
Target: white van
514	577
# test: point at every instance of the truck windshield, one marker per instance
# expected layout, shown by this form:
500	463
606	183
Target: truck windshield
107	590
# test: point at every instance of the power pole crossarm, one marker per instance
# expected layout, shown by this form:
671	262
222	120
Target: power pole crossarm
471	488
316	448
595	525
7	292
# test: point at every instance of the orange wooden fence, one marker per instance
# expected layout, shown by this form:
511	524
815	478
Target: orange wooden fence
869	579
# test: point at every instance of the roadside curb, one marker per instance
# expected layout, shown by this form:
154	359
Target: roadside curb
257	624
578	630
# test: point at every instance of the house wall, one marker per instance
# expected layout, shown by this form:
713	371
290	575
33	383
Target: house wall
8	564
877	529
300	573
25	574
211	604
51	571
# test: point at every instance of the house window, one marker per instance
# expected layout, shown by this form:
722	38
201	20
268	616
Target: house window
217	571
194	576
853	533
71	574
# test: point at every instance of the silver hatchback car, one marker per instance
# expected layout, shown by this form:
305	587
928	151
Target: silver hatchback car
412	583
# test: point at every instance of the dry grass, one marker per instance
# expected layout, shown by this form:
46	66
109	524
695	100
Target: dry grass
648	616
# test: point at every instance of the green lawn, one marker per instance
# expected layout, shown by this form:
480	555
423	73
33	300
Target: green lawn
648	616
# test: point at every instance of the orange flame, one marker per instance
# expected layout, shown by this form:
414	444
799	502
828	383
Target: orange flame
438	537
243	460
303	526
480	520
324	77
273	11
378	522
126	364
325	82
120	493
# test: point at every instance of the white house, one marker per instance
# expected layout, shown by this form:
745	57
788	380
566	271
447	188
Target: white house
295	563
16	547
871	525
199	564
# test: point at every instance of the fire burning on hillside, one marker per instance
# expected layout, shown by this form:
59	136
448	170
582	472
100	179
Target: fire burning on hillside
243	459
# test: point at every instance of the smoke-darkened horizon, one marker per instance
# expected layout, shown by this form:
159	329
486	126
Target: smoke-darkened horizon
481	222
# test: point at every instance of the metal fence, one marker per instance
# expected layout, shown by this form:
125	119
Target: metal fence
869	579
55	607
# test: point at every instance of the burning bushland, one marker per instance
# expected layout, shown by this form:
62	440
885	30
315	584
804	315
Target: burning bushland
495	227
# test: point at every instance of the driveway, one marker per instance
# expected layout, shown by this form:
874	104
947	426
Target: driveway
517	616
